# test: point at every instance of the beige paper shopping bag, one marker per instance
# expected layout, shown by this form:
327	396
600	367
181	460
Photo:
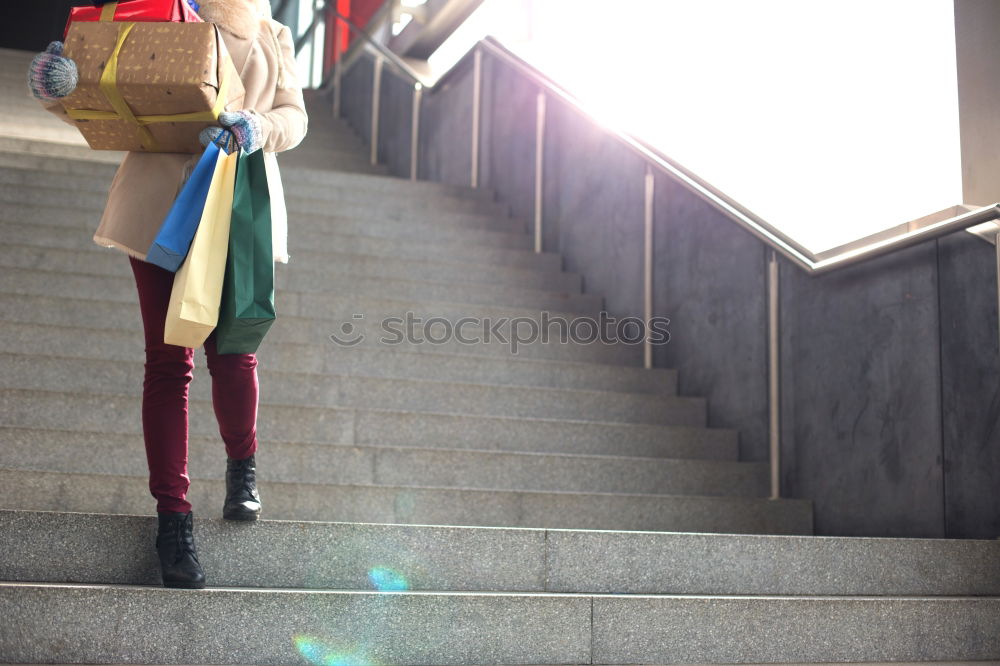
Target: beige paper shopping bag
194	300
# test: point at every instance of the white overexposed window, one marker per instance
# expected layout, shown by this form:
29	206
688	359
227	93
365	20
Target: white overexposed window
829	119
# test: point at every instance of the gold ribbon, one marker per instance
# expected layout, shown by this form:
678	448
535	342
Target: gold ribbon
109	86
108	11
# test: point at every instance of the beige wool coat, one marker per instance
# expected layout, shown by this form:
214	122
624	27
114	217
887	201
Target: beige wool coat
146	184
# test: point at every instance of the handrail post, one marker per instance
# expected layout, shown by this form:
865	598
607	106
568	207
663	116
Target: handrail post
997	241
477	98
773	377
539	163
376	98
312	45
336	67
415	129
647	268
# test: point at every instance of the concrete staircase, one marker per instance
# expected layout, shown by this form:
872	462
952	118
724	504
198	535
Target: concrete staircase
424	503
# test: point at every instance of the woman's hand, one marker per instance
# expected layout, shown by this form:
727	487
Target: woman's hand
51	76
245	127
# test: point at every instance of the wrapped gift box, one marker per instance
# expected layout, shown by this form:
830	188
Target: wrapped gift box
149	86
135	10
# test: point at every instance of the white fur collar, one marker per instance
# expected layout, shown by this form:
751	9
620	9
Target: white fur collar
239	17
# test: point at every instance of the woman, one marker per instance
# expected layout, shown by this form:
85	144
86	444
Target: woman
141	193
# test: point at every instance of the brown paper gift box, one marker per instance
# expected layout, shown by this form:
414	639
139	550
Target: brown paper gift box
163	69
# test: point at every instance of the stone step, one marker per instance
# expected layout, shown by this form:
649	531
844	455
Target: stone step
59	158
98	181
85	623
357	274
332	137
397	204
14	58
47	233
319	144
388	185
287	462
116	549
341	201
315	158
68	208
120	413
46	372
115	344
41	148
338	152
372	297
87	195
320	160
310	268
41	128
24	119
106	493
426	335
39	166
297	296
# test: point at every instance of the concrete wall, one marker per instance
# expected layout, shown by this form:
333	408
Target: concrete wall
970	385
862	395
890	370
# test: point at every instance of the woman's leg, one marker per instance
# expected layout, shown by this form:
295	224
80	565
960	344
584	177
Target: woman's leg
234	397
169	370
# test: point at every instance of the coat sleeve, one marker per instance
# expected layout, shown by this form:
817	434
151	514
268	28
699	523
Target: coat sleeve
285	125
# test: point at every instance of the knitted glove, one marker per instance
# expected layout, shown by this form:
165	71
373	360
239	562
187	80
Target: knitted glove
215	135
245	126
51	76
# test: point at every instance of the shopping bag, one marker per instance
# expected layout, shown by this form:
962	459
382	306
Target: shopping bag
177	231
279	214
247	308
194	299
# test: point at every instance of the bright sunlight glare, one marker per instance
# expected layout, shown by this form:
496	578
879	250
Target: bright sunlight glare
830	120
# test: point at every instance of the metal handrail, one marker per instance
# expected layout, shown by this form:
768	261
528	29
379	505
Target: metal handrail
398	62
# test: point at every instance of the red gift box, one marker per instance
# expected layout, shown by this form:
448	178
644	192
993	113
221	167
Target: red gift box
177	11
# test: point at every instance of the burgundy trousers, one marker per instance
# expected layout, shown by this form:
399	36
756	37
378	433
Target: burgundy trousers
169	370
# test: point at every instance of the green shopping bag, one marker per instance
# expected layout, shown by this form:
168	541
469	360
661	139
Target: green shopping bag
246	311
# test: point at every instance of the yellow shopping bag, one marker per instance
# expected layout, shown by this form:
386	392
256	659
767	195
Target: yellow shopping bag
194	300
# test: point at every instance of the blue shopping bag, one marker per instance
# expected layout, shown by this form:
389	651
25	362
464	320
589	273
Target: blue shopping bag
173	241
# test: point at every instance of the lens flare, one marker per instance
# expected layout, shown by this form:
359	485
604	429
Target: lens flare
316	652
385	579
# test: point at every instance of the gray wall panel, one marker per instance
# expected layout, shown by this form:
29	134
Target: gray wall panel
395	122
970	378
710	279
862	395
356	98
508	149
446	132
593	208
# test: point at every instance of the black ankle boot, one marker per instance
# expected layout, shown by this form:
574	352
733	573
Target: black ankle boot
242	498
175	545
